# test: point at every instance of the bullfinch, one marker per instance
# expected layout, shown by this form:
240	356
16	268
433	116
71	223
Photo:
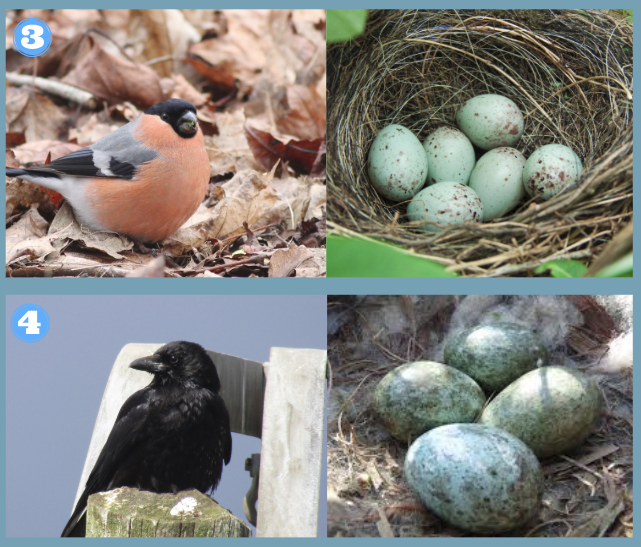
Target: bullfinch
144	180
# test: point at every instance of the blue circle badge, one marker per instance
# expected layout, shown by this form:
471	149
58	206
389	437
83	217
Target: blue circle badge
32	37
30	323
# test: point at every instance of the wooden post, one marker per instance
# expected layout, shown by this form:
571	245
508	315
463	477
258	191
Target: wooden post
292	443
129	512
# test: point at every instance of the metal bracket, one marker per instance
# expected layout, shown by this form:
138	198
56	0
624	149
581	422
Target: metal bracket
249	503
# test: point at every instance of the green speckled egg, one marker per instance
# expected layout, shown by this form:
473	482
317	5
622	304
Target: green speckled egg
551	409
495	354
476	477
417	397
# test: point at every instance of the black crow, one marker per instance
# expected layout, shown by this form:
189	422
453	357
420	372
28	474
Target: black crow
172	435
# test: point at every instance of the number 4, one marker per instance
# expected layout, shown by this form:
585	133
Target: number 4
30	320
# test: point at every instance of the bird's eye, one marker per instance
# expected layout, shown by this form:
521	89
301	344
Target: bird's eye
173	359
165	117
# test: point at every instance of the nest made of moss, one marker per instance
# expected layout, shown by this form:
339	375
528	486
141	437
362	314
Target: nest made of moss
570	72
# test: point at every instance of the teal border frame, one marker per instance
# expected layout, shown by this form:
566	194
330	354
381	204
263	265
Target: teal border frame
14	286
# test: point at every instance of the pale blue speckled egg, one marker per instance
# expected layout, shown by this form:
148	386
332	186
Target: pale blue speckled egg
550	170
445	203
397	164
476	477
491	121
450	156
497	178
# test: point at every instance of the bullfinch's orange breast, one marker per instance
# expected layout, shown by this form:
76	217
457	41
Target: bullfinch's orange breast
164	192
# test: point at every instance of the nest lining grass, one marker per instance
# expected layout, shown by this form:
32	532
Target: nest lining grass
569	71
588	494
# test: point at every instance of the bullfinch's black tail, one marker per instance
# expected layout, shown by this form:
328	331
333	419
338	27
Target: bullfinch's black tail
16	172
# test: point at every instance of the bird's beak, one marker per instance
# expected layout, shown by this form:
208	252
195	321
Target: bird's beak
150	364
188	123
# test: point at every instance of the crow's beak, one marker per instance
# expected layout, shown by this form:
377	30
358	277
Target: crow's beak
149	364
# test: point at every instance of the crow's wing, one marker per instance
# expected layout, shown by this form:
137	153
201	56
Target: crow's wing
219	410
128	431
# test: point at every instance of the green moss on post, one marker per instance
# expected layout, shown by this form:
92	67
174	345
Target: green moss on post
128	512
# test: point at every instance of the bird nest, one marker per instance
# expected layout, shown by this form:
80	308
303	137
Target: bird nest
569	71
588	493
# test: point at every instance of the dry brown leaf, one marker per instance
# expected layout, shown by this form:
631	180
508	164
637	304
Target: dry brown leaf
116	79
70	23
15	138
162	33
208	274
321	88
229	151
158	42
184	90
10	160
27	237
317	201
36	152
300	112
301	155
314	266
284	262
34	114
199	228
248	197
294	201
75	264
65	228
219	76
16	103
240	54
300	45
22	195
90	129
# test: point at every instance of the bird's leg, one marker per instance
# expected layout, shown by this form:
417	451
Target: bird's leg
140	247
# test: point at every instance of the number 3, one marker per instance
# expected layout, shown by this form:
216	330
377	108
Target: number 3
35	36
30	320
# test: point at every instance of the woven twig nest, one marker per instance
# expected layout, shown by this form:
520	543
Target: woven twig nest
569	71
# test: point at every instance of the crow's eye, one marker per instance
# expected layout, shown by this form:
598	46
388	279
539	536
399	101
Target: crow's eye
173	359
